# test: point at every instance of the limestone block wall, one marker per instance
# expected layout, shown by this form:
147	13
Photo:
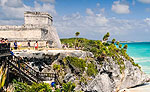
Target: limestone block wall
37	18
7	27
14	34
51	35
37	26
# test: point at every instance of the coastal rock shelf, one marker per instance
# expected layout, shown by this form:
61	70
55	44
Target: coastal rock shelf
63	53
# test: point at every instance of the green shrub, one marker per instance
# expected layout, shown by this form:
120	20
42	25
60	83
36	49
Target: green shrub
137	65
91	69
83	80
69	87
56	67
113	41
125	46
120	46
101	51
76	62
41	87
35	87
118	43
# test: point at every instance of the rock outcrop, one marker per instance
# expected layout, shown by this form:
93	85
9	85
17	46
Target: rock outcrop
44	59
63	53
111	76
110	79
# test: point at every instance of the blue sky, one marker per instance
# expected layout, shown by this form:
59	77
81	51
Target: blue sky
124	19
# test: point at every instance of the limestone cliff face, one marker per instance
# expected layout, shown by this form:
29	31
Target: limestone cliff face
110	79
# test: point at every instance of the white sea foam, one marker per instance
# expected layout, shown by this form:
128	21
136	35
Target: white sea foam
141	59
146	69
144	62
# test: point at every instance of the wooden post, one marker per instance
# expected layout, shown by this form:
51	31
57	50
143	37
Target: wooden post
7	66
37	74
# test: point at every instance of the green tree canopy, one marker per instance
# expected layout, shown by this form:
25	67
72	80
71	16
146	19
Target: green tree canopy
106	36
120	46
117	43
113	41
77	34
125	46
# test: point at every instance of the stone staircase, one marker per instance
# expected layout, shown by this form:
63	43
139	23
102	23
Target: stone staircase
31	74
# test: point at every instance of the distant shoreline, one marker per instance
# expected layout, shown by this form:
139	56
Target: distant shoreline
134	42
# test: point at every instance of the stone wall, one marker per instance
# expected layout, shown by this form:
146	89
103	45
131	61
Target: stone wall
38	26
12	34
37	18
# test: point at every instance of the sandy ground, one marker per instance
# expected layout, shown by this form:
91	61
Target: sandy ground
145	88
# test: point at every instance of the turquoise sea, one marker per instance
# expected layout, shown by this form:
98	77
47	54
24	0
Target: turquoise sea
140	52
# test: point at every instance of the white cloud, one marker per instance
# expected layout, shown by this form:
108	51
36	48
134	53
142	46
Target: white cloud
14	13
11	22
102	10
92	26
145	1
133	2
97	20
15	10
147	20
98	4
14	3
119	8
89	11
46	7
147	9
95	26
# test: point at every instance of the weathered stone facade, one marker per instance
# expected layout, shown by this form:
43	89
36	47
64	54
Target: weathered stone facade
37	26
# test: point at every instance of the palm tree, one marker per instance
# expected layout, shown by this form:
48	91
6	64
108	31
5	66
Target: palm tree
68	87
125	46
77	34
117	43
120	46
113	41
106	36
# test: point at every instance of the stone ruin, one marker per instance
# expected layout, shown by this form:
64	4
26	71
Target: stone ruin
37	27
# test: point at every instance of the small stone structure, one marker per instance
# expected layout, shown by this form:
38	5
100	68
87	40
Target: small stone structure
37	27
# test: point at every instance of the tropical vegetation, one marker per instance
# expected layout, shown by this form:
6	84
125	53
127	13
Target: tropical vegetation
42	87
102	50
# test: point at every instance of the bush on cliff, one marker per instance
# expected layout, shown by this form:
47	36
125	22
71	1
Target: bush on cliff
82	65
102	50
91	69
42	87
76	63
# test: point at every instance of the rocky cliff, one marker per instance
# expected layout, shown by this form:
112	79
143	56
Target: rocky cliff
87	72
111	79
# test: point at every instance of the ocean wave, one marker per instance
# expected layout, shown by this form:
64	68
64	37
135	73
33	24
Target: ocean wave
144	62
141	59
146	69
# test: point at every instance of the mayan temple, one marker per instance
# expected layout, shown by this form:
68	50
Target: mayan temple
37	26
